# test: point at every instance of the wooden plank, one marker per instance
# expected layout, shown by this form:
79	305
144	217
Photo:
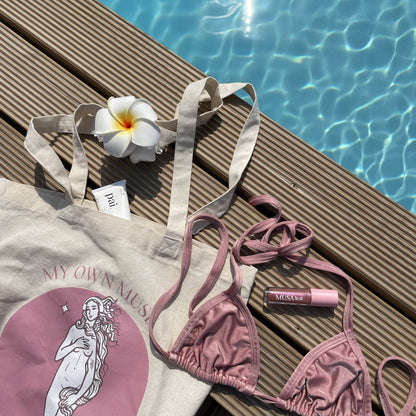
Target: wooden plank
55	100
355	225
364	232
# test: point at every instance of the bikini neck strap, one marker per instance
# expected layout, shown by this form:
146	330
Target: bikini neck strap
288	248
208	283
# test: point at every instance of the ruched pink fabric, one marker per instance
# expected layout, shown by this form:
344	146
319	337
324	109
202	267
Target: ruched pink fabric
330	381
219	343
234	360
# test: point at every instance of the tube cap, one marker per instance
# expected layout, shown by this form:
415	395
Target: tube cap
324	297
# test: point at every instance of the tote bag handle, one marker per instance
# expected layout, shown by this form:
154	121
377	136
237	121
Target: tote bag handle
181	129
185	122
82	121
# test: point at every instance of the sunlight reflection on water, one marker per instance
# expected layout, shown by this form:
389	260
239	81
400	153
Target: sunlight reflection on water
338	74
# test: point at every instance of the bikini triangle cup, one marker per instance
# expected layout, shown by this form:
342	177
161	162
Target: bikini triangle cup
219	343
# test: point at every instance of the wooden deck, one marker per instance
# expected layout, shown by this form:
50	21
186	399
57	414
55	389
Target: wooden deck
56	55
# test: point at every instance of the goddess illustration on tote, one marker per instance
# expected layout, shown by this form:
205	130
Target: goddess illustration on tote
83	352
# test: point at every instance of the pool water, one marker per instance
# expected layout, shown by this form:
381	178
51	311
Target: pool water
340	74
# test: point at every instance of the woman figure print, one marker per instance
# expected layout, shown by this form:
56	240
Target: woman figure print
82	355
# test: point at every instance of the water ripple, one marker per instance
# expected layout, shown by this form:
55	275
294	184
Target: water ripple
337	73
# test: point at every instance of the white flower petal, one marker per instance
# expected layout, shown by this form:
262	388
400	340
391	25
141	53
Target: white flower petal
145	133
119	107
105	122
141	108
143	154
118	144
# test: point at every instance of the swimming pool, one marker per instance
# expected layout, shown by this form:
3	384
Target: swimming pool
340	74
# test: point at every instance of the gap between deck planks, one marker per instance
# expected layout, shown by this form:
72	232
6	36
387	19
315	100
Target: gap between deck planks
72	96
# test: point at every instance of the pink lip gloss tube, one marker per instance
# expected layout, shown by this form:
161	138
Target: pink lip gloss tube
311	297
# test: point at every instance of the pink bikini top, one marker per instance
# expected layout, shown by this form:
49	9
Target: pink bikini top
219	343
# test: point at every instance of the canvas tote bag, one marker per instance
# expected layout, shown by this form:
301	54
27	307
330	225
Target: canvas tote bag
77	286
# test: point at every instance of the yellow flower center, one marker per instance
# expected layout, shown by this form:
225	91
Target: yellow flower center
127	123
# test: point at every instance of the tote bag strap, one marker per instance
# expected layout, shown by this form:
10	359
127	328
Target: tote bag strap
186	121
82	121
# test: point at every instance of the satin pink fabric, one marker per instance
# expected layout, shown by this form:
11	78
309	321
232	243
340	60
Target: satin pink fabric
233	361
219	344
330	383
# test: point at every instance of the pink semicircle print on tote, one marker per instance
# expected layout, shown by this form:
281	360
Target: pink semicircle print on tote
72	351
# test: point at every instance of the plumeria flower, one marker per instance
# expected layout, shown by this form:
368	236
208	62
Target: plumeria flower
127	128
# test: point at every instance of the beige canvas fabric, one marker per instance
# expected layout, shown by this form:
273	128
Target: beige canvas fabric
77	286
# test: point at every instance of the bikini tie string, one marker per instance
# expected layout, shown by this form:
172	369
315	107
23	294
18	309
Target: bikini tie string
295	238
289	246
